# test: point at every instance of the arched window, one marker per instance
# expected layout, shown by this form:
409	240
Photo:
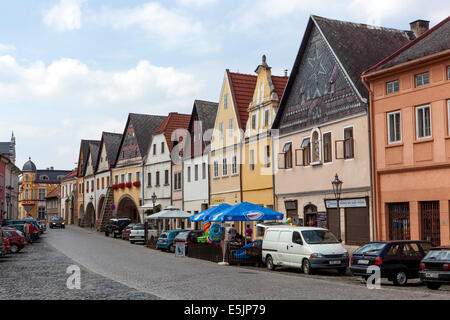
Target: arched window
310	214
43	177
316	148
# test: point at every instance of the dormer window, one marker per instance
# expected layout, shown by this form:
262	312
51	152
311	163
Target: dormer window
43	177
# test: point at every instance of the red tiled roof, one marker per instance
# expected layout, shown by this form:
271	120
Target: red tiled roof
280	84
172	122
242	87
72	174
54	193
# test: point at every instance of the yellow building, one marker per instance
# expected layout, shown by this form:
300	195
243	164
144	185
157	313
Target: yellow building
34	187
225	156
257	175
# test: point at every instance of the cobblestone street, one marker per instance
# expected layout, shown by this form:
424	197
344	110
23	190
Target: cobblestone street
39	272
116	269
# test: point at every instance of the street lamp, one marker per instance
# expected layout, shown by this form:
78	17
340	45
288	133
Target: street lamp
8	200
154	197
337	189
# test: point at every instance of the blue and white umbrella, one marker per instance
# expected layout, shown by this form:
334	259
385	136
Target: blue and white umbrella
205	215
246	211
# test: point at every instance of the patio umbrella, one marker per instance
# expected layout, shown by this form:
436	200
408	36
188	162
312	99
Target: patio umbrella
205	215
246	211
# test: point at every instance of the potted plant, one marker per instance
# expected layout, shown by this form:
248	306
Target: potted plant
137	183
128	184
121	185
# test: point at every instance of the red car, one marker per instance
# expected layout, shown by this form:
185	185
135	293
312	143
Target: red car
127	230
7	246
16	241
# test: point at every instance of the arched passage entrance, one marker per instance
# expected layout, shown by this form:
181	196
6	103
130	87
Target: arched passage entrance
100	204
80	213
90	215
127	209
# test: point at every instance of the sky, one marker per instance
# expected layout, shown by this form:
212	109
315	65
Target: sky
70	69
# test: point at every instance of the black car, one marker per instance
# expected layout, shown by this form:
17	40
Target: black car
56	222
435	267
115	226
398	260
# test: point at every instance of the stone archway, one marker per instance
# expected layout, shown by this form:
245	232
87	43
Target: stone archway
127	209
80	214
90	215
100	204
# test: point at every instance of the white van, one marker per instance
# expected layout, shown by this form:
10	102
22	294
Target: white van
303	247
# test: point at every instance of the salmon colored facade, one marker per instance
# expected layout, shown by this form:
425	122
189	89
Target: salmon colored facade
410	114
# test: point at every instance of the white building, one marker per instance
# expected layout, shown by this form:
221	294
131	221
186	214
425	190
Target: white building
68	197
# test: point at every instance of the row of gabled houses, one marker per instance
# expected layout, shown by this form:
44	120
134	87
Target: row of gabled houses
370	104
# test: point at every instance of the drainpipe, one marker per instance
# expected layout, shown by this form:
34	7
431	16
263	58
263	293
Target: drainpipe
372	159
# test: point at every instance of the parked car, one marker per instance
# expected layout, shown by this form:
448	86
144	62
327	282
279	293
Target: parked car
6	244
188	237
165	240
29	220
398	260
34	235
57	222
307	248
16	240
137	233
127	230
116	226
435	268
2	244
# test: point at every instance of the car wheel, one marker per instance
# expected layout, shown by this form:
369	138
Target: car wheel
269	263
400	278
306	267
342	271
132	242
14	248
433	285
106	234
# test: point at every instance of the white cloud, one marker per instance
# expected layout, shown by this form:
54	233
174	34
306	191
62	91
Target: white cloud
197	3
170	27
64	16
6	47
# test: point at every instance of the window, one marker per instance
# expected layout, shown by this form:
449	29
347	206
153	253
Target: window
266	118
221	131
138	176
189	174
122	178
448	116
267	156
116	179
394	127
149	179
423	122
448	73
41	213
254	122
87	186
92	185
203	170
252	160
157	178
234	165
287	150
98	183
327	155
348	143
162	147
216	168
306	146
392	87
41	194
130	177
224	167
225	101
196	172
154	149
107	181
230	125
315	147
103	182
422	79
166	177
177	181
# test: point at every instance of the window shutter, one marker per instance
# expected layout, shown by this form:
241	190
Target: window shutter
281	161
299	157
339	149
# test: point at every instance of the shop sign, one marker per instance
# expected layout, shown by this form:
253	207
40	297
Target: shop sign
347	203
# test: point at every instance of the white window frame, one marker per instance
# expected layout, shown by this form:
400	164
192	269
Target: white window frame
319	139
216	168
234	165
323	147
225	101
224	167
390	140
393	86
230	129
417	122
421	75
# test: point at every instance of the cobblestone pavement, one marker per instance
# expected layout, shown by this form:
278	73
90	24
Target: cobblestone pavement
170	277
39	272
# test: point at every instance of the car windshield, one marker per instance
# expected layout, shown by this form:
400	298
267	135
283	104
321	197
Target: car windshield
56	219
163	236
140	227
440	255
319	237
371	248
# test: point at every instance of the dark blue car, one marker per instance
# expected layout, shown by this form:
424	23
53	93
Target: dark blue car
165	240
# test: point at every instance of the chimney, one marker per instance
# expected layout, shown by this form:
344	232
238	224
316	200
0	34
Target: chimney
285	72
419	27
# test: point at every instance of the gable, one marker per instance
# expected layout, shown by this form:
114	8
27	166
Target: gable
103	161
319	90
130	147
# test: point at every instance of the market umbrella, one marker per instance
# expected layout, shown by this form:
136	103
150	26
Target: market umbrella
246	211
205	215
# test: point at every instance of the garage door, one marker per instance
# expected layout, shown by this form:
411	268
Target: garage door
333	222
357	230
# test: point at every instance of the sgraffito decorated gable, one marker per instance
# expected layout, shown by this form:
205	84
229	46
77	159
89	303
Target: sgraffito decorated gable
130	147
320	91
